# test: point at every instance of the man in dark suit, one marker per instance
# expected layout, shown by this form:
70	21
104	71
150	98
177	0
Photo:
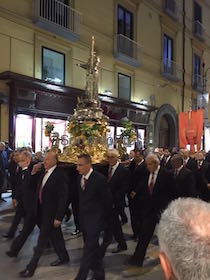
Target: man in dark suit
25	203
154	193
94	209
51	201
188	162
184	180
167	159
16	181
202	177
138	172
118	180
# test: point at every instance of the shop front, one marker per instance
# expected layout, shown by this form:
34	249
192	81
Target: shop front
33	102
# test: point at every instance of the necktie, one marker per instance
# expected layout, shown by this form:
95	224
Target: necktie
40	189
199	164
109	174
84	183
151	185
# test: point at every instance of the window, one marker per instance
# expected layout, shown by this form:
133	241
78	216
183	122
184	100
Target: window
168	54
197	65
197	79
197	12
198	28
125	22
53	66
124	86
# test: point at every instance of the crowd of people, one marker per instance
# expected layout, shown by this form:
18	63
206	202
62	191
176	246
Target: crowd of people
42	191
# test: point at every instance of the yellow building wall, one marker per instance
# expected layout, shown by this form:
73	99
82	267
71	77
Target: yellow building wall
21	43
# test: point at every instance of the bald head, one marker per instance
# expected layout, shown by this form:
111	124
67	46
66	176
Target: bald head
50	160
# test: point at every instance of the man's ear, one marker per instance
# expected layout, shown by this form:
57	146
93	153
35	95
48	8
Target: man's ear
166	265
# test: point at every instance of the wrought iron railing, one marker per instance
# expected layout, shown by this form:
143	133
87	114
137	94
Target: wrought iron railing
127	47
197	82
172	69
170	7
199	29
58	13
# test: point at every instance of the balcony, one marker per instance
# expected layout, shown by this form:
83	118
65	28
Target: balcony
170	8
127	50
199	30
57	18
197	82
171	70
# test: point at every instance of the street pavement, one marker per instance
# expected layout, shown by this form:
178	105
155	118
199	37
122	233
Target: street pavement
115	267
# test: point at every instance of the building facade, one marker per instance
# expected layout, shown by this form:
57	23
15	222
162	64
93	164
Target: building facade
155	57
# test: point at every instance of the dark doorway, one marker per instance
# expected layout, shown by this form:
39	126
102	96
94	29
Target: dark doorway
164	133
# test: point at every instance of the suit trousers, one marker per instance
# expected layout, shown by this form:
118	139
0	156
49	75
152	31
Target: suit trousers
48	232
114	229
91	258
18	242
145	236
19	214
134	215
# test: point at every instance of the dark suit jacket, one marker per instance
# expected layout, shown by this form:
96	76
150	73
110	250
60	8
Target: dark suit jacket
54	196
191	164
95	204
118	185
202	177
185	184
137	175
167	164
162	192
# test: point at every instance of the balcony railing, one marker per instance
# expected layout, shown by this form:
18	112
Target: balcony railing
170	8
199	30
128	50
197	82
171	70
58	18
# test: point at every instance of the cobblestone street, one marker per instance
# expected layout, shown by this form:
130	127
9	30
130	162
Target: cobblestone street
114	263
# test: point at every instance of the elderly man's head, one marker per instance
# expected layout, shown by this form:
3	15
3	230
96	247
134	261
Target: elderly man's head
184	239
152	162
177	161
113	157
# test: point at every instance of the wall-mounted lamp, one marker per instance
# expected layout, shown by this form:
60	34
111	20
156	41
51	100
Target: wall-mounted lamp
107	92
144	102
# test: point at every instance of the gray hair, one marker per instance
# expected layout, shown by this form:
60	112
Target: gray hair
153	157
184	236
113	152
27	154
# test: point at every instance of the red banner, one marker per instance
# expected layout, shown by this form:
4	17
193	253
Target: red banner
191	129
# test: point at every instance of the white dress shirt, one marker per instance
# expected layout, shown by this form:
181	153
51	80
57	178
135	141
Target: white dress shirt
114	167
47	175
155	176
86	177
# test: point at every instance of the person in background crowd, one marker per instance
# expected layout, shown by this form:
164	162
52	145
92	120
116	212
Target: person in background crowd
94	211
118	180
15	171
202	176
185	185
25	198
39	157
138	172
8	150
184	240
161	156
188	161
3	163
167	159
154	194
